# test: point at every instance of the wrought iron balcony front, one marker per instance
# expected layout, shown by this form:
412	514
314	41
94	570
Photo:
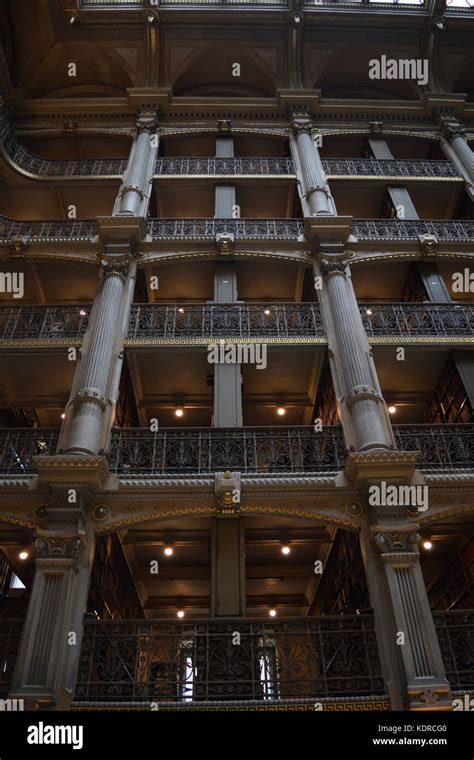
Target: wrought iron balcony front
398	229
376	167
440	446
266	451
271	451
57	231
195	661
252	321
390	230
213	321
224	166
10	633
40	323
418	319
455	629
18	446
241	229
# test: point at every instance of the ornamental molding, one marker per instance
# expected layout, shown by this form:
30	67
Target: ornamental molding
60	548
392	542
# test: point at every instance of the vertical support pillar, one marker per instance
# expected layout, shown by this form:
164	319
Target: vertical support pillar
228	567
408	643
316	193
227	377
363	411
398	195
50	646
90	410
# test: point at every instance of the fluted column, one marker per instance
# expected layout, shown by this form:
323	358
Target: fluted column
91	396
409	648
315	186
363	410
48	656
456	148
135	191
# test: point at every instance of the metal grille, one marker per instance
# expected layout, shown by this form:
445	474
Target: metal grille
207	229
397	229
225	321
217	166
191	661
376	167
407	319
440	446
18	446
43	322
267	451
455	629
10	632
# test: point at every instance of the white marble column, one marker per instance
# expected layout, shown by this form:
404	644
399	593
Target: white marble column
455	146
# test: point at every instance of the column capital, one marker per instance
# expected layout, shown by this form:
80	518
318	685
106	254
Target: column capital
334	263
301	123
60	549
450	127
147	121
401	541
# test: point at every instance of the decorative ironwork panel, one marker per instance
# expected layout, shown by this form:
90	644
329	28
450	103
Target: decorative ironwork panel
266	451
42	322
18	446
194	661
375	167
10	632
207	229
48	230
440	446
398	229
224	166
455	629
214	321
407	319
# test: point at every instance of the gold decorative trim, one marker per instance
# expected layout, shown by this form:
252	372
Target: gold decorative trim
348	705
148	516
319	516
40	342
132	342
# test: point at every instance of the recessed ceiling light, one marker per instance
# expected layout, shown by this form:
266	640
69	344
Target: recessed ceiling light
169	551
281	411
23	554
427	545
180	613
392	409
272	613
63	416
179	411
285	549
368	312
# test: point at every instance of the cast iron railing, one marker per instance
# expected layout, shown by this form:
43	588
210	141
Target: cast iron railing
455	630
418	319
440	446
271	451
390	230
211	321
149	660
43	322
18	446
266	451
207	229
376	167
398	229
218	166
245	320
10	633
